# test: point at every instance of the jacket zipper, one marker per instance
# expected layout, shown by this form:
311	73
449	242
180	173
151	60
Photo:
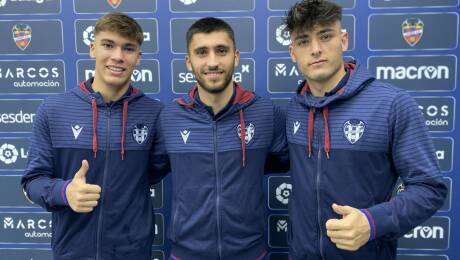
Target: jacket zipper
318	182
219	239
101	207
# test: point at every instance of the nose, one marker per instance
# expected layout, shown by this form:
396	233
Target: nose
213	60
316	48
117	54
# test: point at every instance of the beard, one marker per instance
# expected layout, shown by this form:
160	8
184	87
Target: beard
215	89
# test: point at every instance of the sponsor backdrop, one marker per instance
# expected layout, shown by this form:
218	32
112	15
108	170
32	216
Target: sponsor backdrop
44	51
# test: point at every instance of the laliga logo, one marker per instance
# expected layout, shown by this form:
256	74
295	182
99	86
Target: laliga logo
412	30
283	192
282	35
88	35
22	35
8	153
188	2
114	3
2	3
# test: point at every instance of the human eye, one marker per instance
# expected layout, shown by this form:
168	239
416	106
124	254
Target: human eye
222	51
107	45
301	42
326	36
130	49
201	52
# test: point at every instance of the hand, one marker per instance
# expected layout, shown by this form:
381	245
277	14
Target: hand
82	197
352	231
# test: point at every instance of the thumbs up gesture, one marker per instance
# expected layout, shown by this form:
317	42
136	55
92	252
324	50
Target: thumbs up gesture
82	197
350	232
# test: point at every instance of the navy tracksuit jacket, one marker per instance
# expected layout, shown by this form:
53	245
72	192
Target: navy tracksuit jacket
349	148
217	167
125	154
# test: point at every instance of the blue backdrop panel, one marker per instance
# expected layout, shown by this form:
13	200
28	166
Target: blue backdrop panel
44	51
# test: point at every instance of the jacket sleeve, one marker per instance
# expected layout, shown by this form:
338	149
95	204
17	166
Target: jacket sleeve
278	157
414	159
159	159
39	183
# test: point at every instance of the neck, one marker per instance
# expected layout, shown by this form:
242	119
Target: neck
217	101
109	93
320	88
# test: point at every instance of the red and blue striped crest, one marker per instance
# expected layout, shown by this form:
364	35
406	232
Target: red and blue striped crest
412	30
114	3
22	35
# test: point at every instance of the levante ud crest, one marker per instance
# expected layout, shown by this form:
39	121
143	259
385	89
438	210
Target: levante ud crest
412	30
22	35
114	3
140	133
249	134
353	130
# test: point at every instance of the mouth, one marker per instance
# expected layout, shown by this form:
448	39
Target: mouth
213	74
115	69
317	62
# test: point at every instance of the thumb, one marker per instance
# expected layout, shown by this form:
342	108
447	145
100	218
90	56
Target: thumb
342	210
81	173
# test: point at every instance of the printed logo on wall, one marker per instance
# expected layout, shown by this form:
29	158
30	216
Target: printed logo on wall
183	80
32	227
439	112
158	255
32	76
84	34
416	73
114	3
159	230
412	30
188	2
244	28
156	194
13	153
17	115
277	230
11	185
385	31
26	253
22	7
444	152
282	75
279	192
47	37
412	3
433	234
211	5
137	6
276	5
146	75
22	35
278	38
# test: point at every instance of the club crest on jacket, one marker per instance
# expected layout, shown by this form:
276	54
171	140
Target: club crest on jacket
250	131
140	133
353	130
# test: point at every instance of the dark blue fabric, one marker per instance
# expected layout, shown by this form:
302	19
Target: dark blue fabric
360	172
121	226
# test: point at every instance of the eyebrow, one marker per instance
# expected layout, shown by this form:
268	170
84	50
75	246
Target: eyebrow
306	36
124	45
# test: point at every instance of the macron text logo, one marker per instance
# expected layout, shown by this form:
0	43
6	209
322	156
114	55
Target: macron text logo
413	72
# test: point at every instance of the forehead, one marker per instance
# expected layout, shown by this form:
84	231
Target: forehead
317	28
115	37
218	38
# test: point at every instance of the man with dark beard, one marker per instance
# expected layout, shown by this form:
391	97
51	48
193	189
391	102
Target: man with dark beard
219	138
